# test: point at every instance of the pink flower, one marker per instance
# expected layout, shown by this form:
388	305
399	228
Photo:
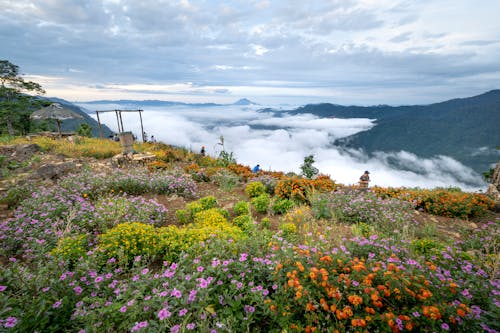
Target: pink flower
183	312
145	271
164	313
10	322
138	326
57	304
123	309
2	288
78	290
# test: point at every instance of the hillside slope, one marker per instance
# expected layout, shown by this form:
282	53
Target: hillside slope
466	129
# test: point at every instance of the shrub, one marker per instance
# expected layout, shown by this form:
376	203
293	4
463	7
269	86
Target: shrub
307	168
261	203
244	222
241	208
15	195
208	202
268	181
450	202
281	206
289	231
426	246
128	240
71	248
265	222
254	189
294	189
320	208
226	180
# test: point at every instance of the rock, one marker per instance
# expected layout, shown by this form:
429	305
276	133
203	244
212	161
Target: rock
27	150
54	170
473	225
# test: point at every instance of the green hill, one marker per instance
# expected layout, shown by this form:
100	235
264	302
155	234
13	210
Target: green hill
466	129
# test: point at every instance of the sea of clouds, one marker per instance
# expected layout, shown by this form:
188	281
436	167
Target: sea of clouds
280	141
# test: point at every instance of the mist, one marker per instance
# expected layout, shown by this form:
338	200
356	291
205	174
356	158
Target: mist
279	141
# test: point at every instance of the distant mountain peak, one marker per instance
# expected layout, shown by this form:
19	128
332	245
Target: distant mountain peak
244	101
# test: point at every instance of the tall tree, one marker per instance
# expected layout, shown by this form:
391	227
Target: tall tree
14	99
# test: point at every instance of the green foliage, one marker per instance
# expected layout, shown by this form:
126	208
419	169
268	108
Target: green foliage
15	104
261	203
244	222
289	231
281	206
208	202
241	208
84	129
254	189
15	195
308	170
226	180
320	208
362	229
71	248
225	158
265	222
426	246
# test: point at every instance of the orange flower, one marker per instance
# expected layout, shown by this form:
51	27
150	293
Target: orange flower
355	299
358	322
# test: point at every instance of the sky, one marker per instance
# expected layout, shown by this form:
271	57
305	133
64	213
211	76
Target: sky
356	52
279	141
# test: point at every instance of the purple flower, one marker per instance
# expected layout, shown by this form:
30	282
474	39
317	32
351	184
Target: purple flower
192	295
57	304
200	268
164	313
145	271
191	326
176	293
123	309
249	309
2	288
138	326
445	326
175	329
10	322
183	312
78	290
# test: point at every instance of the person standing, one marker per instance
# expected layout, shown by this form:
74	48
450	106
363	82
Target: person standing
364	180
202	151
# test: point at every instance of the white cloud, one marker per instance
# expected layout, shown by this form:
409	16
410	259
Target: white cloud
284	141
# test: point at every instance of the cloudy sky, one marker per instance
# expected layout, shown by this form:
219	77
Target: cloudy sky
292	52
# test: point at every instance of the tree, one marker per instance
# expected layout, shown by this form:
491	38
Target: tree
308	170
84	130
13	98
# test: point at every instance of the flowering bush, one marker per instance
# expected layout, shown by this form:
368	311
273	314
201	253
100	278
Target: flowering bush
389	216
244	222
261	202
281	206
268	181
128	240
241	171
370	288
254	189
443	202
71	248
294	188
241	208
112	210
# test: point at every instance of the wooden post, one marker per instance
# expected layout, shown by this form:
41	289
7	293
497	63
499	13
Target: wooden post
142	128
118	121
99	122
121	120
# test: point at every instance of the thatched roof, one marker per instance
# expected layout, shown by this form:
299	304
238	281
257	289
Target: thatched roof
55	111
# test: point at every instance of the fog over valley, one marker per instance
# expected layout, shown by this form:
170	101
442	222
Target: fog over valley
279	141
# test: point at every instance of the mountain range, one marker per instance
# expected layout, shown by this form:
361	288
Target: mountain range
467	129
